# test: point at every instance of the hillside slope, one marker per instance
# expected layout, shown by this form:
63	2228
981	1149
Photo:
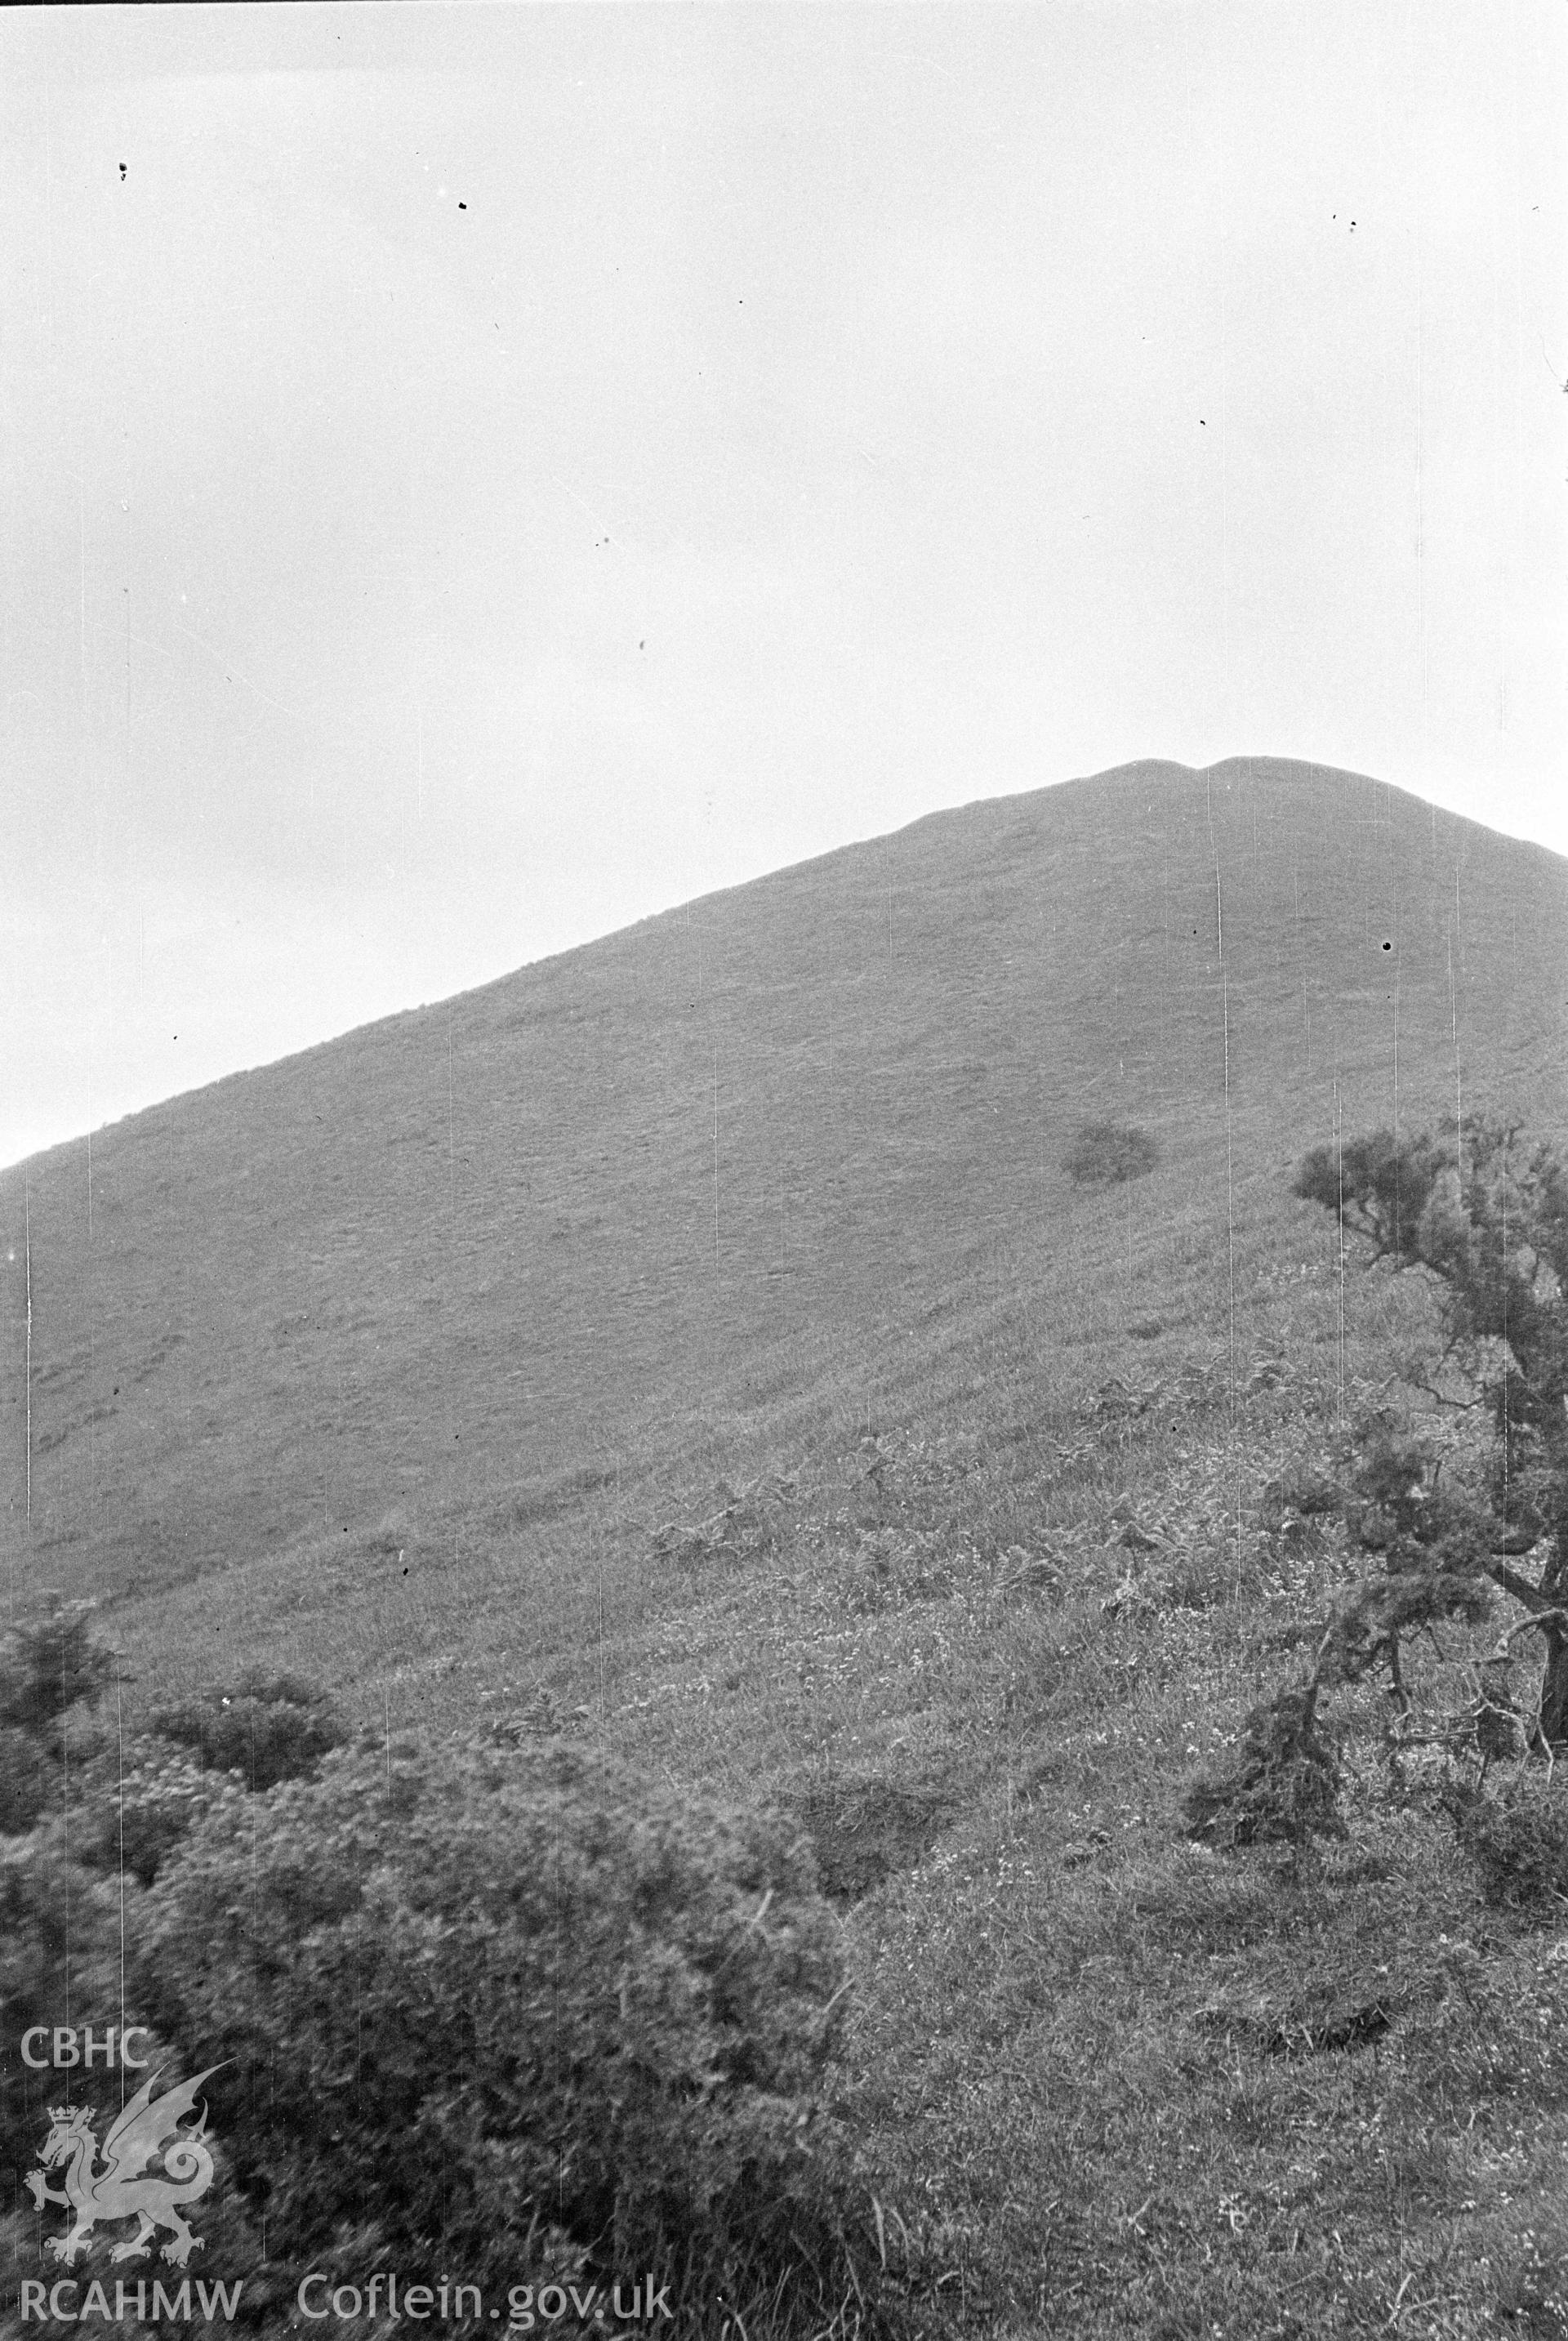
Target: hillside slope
740	1162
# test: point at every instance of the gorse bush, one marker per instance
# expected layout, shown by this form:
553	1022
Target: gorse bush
73	1817
133	1816
56	1921
1107	1153
511	2008
140	1802
266	1728
50	1666
60	1966
1518	1841
463	1997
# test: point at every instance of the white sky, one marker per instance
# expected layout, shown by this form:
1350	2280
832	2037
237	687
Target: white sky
470	477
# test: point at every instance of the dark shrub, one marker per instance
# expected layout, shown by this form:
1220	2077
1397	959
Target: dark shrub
1303	1490
58	1964
48	1664
1518	1842
1284	1788
867	1829
473	1994
50	1668
267	1728
1107	1153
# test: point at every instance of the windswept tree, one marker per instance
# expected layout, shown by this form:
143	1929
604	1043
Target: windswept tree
1451	1504
1486	1224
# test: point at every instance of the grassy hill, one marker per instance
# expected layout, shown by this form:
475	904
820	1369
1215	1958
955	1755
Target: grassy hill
681	1196
698	1341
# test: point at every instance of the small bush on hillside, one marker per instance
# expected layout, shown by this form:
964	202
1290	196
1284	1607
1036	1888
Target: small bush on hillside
512	1989
1107	1153
267	1728
1518	1842
1283	1789
50	1666
867	1829
1301	1491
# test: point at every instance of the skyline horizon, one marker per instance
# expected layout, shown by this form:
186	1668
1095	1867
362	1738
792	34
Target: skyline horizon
1133	766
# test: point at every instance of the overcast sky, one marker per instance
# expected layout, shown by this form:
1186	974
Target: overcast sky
473	476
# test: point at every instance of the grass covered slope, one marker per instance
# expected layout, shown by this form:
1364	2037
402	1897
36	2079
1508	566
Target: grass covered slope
678	1196
459	1405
